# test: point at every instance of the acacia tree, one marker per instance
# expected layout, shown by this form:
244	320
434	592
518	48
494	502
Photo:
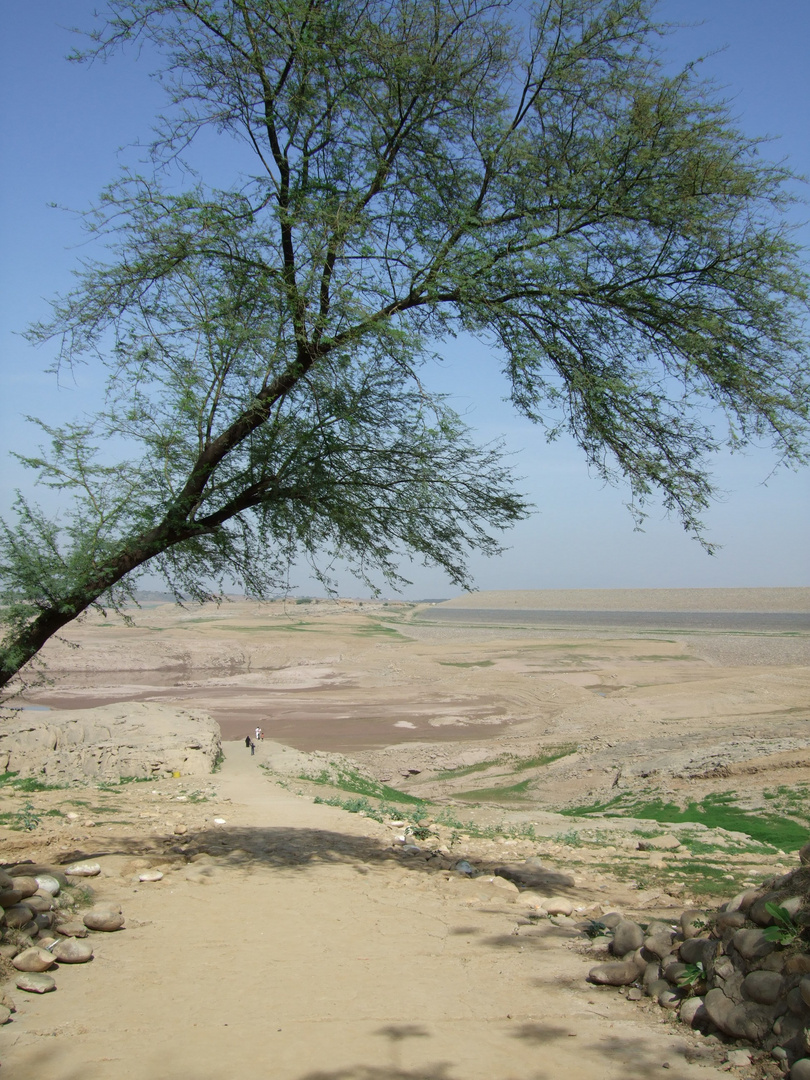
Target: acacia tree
422	167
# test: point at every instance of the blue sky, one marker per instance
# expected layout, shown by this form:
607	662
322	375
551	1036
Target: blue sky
63	130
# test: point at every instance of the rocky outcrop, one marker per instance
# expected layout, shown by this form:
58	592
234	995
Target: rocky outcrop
136	739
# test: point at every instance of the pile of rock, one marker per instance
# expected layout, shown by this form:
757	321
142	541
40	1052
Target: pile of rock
743	971
39	928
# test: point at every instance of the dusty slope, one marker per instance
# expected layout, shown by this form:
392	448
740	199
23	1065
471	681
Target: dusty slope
302	948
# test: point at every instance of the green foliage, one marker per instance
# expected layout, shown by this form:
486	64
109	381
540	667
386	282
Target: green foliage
421	832
350	780
81	896
27	818
596	928
468	664
514	763
27	783
507	793
784	930
715	811
379	812
111	785
693	976
571	838
422	169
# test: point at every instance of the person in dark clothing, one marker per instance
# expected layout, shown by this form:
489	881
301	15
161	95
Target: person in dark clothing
247	740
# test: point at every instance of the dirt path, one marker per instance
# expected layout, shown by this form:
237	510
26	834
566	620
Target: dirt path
302	948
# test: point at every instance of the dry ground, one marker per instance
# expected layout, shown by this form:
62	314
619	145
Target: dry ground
311	948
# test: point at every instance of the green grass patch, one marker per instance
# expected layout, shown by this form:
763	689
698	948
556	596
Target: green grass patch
467	770
468	664
515	764
707	879
381	811
112	785
27	783
497	794
355	782
378	629
717	811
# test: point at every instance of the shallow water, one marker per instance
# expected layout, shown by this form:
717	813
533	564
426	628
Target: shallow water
753	622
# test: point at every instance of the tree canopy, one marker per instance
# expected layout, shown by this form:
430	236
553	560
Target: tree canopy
530	175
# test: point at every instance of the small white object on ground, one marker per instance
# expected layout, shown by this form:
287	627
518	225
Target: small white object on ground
83	869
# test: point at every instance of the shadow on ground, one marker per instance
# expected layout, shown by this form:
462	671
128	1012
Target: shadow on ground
299	849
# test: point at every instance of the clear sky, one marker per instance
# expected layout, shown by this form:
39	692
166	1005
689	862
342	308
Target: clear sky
66	129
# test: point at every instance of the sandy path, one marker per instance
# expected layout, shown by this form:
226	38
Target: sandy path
306	952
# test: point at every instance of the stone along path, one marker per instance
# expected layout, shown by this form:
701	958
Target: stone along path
296	945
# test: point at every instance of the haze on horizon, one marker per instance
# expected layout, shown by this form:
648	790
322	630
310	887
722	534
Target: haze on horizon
63	126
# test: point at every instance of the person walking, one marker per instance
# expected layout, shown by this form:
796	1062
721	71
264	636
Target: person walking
247	740
252	747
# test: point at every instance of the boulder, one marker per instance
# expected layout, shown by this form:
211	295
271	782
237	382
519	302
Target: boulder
692	1012
693	922
150	875
33	959
627	937
729	921
558	905
651	974
659	945
698	950
674	972
73	928
745	1020
103	918
659	843
752	944
48	883
618	973
797	1004
763	987
35	982
26	885
18	916
669	998
798	964
39	904
83	869
71	951
757	912
742	901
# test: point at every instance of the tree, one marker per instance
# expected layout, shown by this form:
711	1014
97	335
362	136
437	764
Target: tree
422	167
